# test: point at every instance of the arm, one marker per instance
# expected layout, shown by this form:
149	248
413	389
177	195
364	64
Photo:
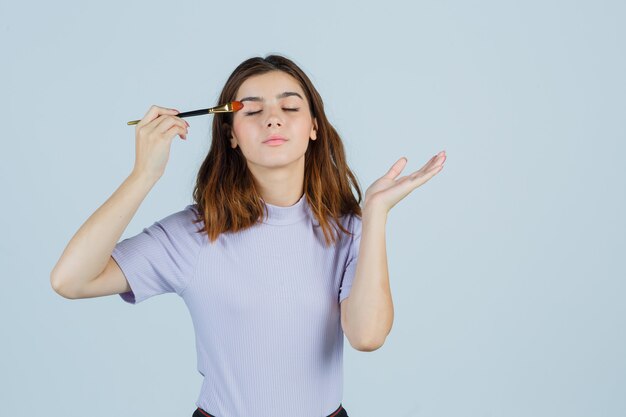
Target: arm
89	251
367	314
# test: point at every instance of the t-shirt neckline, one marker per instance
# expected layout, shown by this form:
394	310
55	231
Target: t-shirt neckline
279	215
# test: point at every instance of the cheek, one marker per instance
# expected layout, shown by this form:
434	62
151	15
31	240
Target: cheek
303	125
243	129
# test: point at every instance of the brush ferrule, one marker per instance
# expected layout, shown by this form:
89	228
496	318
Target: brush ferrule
228	107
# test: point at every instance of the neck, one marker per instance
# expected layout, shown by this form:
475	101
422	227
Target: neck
281	186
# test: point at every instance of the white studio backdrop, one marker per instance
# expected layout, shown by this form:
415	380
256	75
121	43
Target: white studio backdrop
506	268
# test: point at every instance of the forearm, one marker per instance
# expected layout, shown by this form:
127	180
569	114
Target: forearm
370	309
89	250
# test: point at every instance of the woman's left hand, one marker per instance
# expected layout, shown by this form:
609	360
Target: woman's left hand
387	191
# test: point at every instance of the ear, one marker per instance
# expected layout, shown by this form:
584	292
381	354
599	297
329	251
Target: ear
233	141
313	134
229	132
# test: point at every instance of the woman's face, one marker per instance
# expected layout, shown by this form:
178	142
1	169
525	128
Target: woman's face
274	105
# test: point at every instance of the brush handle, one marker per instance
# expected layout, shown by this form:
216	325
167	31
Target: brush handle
183	114
224	108
194	113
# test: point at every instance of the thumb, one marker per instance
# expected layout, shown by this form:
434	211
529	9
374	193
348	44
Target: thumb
396	168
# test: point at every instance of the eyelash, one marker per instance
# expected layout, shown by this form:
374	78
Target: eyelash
255	112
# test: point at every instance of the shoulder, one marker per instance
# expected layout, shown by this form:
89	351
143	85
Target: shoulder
183	223
181	217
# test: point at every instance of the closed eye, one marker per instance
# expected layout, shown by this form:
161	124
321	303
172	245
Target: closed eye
259	111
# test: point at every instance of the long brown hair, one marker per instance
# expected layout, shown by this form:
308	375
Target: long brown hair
225	193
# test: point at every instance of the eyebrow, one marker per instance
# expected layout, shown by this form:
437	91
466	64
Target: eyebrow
281	95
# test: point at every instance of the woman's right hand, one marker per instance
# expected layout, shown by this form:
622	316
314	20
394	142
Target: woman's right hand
153	137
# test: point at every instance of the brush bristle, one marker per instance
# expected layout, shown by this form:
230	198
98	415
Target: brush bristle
237	105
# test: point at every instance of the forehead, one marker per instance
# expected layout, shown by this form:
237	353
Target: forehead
269	85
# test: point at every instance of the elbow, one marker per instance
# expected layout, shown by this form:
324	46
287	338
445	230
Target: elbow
367	345
59	288
365	340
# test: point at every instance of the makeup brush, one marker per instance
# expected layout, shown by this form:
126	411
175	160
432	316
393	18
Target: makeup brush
233	106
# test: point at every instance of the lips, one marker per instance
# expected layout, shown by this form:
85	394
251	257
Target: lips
273	137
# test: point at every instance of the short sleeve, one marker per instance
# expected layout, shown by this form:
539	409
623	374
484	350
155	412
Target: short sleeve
161	259
353	255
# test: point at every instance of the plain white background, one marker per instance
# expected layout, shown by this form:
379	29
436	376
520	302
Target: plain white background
506	269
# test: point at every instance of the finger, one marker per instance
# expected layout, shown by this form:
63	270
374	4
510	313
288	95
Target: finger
434	162
421	176
430	162
177	130
396	168
154	112
166	122
440	160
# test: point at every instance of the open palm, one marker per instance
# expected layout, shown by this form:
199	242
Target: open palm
388	190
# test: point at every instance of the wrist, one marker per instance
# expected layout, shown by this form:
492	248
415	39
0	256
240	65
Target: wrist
374	210
141	177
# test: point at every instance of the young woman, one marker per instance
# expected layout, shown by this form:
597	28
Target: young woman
276	260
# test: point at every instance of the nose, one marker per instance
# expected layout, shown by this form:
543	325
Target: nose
273	119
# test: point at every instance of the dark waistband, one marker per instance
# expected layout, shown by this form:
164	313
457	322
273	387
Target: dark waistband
337	413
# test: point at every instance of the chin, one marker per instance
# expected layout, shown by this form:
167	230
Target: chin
278	161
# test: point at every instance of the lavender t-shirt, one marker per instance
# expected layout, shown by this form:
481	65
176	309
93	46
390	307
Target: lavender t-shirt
265	306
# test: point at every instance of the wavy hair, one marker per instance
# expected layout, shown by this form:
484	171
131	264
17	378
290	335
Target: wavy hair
225	192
